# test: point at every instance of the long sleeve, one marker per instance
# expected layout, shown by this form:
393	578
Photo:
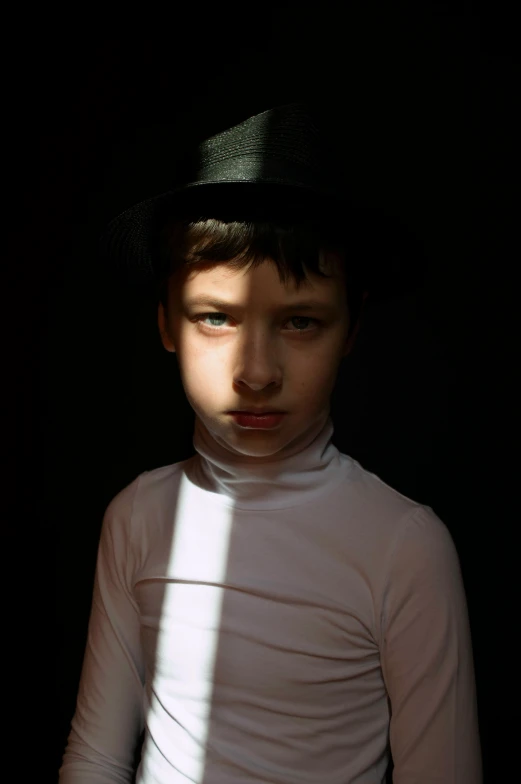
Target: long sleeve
427	659
109	715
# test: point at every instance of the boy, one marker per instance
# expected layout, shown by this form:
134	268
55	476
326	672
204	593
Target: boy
268	610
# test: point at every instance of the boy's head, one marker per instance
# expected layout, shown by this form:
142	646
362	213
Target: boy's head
263	221
263	344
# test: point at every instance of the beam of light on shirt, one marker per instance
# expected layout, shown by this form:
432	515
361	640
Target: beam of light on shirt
188	637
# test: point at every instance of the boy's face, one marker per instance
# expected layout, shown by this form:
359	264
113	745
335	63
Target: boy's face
261	350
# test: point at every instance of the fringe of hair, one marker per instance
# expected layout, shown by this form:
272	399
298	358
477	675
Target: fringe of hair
293	248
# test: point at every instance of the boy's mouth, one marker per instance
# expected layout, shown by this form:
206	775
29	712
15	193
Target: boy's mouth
265	420
257	411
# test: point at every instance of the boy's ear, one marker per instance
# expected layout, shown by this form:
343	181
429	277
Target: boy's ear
348	347
163	329
350	342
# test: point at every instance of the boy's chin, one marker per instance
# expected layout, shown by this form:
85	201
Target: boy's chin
254	443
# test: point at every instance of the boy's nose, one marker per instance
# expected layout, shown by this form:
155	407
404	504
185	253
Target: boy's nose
258	365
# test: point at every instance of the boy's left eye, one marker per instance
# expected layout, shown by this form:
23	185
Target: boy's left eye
220	316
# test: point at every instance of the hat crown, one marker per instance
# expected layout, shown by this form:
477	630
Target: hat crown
289	132
281	145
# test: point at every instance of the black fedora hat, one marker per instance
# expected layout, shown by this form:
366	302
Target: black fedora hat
279	164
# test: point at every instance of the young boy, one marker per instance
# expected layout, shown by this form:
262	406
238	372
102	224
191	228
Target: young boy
267	610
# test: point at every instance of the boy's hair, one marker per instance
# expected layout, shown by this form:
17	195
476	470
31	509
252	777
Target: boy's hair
293	247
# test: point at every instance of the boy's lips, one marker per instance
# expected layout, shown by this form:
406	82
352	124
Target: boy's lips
257	411
264	420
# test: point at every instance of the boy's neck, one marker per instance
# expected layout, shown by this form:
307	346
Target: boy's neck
236	458
306	469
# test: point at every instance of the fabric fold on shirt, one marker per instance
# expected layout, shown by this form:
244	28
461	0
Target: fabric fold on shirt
313	469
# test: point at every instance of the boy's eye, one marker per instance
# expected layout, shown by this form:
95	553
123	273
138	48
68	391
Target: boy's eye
220	316
214	317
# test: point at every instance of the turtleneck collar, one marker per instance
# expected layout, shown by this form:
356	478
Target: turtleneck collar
315	468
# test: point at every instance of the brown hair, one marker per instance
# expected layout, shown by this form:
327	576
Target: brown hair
293	247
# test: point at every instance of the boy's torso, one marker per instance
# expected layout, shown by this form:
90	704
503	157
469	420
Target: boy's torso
261	630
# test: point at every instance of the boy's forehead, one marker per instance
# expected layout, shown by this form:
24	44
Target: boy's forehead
223	283
330	263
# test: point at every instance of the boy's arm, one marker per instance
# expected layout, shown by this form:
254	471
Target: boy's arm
109	713
427	659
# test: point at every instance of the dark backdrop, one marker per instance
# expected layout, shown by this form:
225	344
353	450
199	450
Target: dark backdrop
96	113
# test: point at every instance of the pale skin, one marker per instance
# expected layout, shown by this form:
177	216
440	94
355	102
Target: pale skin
261	350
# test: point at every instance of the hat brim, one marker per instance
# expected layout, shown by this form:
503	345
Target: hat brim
393	256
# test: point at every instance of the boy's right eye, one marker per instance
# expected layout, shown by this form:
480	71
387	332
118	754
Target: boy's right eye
214	316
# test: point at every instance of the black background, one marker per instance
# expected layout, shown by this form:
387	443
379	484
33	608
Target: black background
96	113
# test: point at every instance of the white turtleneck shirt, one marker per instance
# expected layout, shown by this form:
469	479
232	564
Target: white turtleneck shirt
294	622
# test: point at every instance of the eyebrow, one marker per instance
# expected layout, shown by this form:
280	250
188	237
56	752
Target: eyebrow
308	304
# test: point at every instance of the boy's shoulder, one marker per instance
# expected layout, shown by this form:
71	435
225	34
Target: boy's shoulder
368	490
159	485
380	510
151	491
